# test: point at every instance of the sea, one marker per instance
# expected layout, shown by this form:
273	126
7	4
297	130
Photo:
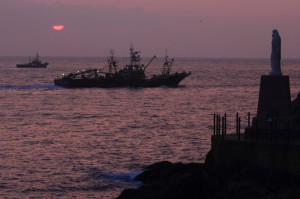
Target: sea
91	142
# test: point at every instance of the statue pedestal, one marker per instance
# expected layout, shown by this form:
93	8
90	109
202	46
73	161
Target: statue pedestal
274	104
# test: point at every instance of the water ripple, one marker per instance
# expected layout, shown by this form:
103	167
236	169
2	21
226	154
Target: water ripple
68	143
28	87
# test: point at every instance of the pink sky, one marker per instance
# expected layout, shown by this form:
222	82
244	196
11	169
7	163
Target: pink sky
189	28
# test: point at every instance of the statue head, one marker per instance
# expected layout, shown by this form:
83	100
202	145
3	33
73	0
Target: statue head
275	31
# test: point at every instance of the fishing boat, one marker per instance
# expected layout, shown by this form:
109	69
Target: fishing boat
35	63
131	75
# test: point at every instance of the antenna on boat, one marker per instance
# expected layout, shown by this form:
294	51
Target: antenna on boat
131	47
134	56
167	64
112	63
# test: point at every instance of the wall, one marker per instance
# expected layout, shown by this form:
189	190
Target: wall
278	156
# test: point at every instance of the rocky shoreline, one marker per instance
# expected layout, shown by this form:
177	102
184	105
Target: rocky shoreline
166	180
242	179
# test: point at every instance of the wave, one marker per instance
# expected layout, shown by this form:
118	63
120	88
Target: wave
28	87
127	177
63	188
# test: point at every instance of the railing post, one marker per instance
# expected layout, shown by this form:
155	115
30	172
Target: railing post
236	122
222	127
256	129
248	119
217	123
239	128
218	126
214	124
225	120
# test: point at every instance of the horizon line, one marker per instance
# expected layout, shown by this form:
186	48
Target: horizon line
177	57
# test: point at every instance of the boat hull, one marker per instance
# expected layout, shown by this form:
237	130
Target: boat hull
171	80
43	65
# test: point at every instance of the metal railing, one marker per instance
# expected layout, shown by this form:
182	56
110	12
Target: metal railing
271	133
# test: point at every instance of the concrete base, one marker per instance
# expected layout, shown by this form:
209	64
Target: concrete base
274	104
277	156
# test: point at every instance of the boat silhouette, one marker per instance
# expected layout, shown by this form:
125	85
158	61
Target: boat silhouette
132	75
35	63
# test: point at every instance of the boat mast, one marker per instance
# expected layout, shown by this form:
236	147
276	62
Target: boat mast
135	58
112	63
167	64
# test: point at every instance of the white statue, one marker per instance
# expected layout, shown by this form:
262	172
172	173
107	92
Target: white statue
276	54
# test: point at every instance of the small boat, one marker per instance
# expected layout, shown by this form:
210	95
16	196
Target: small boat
132	75
35	63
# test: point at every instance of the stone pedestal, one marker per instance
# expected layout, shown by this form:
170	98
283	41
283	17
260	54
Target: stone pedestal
274	104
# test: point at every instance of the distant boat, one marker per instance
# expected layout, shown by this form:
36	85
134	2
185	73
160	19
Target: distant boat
132	75
35	63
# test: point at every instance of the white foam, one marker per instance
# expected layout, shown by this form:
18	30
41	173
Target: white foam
122	176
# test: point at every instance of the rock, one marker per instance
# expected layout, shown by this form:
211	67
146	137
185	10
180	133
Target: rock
248	190
166	180
166	170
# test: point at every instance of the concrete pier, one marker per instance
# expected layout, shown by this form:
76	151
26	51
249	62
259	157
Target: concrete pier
277	155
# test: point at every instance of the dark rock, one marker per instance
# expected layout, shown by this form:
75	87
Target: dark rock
248	190
166	180
166	170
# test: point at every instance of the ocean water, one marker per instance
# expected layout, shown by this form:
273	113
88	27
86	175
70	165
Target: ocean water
90	143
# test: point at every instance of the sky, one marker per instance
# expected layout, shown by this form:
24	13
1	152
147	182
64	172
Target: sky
189	28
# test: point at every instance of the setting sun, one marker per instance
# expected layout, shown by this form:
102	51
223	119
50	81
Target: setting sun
58	27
